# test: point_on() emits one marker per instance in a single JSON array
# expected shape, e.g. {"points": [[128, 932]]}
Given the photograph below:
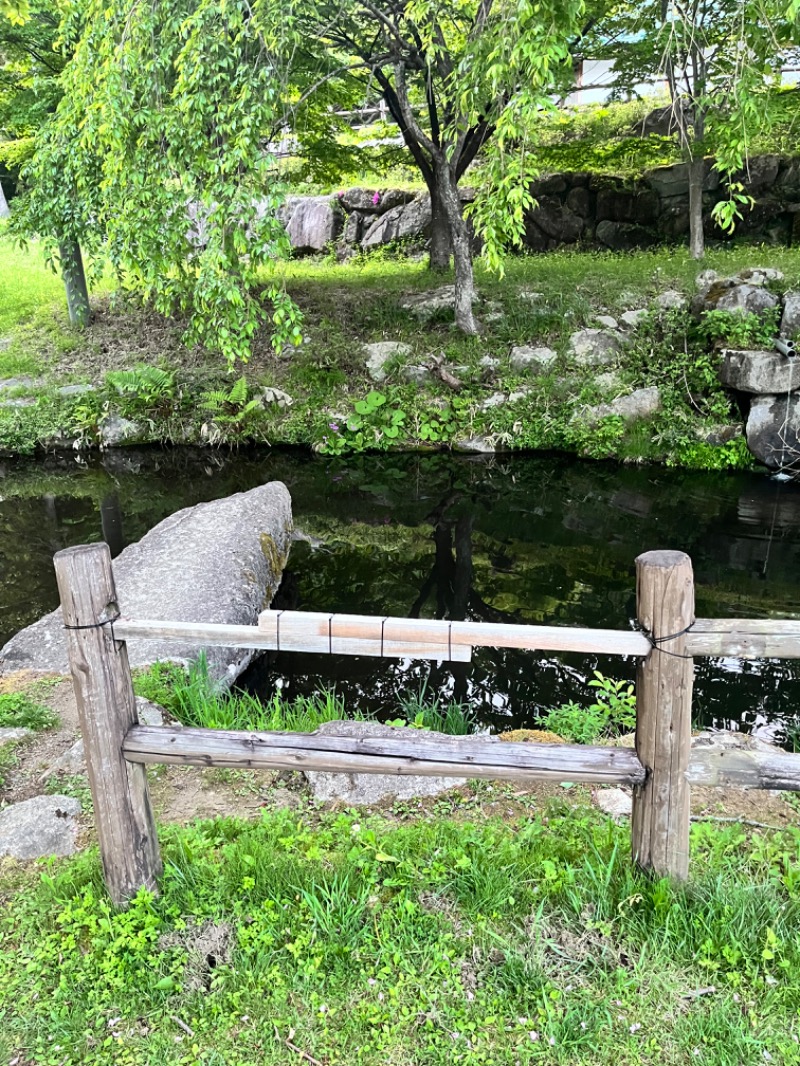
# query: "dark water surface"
{"points": [[542, 540]]}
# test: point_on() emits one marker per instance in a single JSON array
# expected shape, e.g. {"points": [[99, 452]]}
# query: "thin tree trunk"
{"points": [[75, 283], [462, 252], [697, 246], [4, 209], [441, 245]]}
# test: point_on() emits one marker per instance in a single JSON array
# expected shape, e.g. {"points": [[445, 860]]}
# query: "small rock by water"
{"points": [[641, 403], [773, 429], [382, 352], [115, 429], [478, 445]]}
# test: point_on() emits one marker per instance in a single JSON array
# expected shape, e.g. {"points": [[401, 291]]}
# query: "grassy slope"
{"points": [[361, 939], [346, 306]]}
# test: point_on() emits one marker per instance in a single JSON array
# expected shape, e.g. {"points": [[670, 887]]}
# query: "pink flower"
{"points": [[376, 199]]}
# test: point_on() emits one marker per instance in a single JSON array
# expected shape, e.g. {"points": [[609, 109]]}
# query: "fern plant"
{"points": [[231, 410], [147, 388]]}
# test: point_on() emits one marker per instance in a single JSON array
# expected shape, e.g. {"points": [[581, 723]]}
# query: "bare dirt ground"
{"points": [[181, 794]]}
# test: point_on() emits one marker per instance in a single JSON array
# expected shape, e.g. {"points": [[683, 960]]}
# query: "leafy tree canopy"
{"points": [[30, 70], [157, 157], [719, 61]]}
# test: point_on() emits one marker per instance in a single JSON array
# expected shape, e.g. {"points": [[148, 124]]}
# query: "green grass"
{"points": [[442, 716], [18, 710], [26, 285], [346, 306], [360, 942], [193, 698]]}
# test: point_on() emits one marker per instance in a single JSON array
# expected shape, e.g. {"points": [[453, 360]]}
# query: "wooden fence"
{"points": [[661, 769]]}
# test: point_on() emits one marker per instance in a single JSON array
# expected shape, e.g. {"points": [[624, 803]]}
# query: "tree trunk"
{"points": [[75, 283], [462, 252], [696, 237], [441, 245], [4, 210]]}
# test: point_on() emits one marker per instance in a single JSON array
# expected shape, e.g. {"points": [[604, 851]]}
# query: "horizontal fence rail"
{"points": [[418, 755], [346, 634], [665, 763]]}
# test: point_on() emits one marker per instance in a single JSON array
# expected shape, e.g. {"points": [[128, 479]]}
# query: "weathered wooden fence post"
{"points": [[665, 608], [107, 709]]}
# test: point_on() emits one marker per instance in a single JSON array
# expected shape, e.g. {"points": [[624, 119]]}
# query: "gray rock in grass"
{"points": [[39, 827], [594, 347], [382, 352], [531, 360], [14, 735], [364, 790]]}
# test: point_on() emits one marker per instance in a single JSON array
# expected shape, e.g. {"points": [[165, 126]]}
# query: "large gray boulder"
{"points": [[312, 222], [555, 220], [773, 430], [594, 347], [744, 298], [406, 220], [365, 790], [217, 562], [373, 201], [762, 372], [35, 828]]}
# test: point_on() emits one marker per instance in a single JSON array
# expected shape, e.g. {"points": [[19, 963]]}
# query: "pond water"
{"points": [[541, 539]]}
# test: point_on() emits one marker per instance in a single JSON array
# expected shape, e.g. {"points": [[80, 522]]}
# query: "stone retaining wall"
{"points": [[590, 209]]}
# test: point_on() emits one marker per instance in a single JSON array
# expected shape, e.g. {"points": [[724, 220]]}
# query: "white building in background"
{"points": [[594, 82]]}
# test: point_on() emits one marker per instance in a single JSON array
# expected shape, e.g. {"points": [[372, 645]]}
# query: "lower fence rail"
{"points": [[416, 755], [665, 763]]}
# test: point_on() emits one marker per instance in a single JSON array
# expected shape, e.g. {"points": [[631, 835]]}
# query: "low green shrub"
{"points": [[612, 713], [19, 711], [741, 329]]}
